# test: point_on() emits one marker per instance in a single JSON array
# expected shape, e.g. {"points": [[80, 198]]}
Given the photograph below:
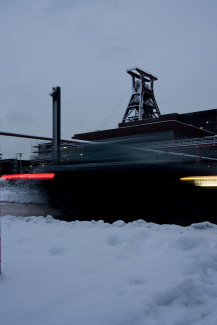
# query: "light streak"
{"points": [[203, 181], [37, 176]]}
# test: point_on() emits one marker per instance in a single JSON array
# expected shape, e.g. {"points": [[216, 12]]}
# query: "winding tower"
{"points": [[142, 104]]}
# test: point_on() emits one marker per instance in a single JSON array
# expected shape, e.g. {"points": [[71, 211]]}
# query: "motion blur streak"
{"points": [[204, 181], [41, 176]]}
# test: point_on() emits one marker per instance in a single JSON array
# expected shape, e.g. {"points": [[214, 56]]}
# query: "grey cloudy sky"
{"points": [[85, 48]]}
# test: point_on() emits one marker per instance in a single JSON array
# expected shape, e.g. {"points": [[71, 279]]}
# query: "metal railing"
{"points": [[211, 140]]}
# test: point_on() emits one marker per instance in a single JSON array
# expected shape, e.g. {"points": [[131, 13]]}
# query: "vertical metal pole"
{"points": [[56, 94], [20, 163], [0, 242], [19, 154], [141, 98]]}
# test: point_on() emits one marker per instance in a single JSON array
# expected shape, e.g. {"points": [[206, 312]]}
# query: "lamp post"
{"points": [[20, 154]]}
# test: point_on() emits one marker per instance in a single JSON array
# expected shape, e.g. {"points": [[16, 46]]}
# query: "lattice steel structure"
{"points": [[142, 103]]}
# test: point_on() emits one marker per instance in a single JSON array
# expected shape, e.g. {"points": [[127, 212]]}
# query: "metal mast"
{"points": [[142, 103], [56, 94]]}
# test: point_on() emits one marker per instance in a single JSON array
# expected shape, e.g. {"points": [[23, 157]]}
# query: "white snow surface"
{"points": [[94, 273]]}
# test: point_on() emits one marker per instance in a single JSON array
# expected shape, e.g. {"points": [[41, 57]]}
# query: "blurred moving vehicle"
{"points": [[133, 180]]}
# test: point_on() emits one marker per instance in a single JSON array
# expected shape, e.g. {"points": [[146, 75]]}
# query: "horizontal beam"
{"points": [[37, 137], [140, 71]]}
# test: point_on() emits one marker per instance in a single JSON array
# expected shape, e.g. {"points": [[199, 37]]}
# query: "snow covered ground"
{"points": [[94, 273]]}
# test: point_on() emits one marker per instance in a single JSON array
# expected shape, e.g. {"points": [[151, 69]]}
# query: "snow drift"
{"points": [[54, 272]]}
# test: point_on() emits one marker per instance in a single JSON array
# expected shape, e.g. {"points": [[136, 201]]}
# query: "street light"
{"points": [[20, 154]]}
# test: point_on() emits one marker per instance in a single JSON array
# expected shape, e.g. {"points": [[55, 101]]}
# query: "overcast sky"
{"points": [[85, 48]]}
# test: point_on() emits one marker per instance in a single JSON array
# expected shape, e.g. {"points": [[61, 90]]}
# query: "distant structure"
{"points": [[142, 104], [11, 166], [143, 117], [193, 134]]}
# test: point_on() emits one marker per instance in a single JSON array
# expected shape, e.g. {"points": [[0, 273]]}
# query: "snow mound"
{"points": [[203, 225], [95, 273]]}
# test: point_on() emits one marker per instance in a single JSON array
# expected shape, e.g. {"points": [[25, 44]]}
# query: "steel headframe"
{"points": [[142, 103]]}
